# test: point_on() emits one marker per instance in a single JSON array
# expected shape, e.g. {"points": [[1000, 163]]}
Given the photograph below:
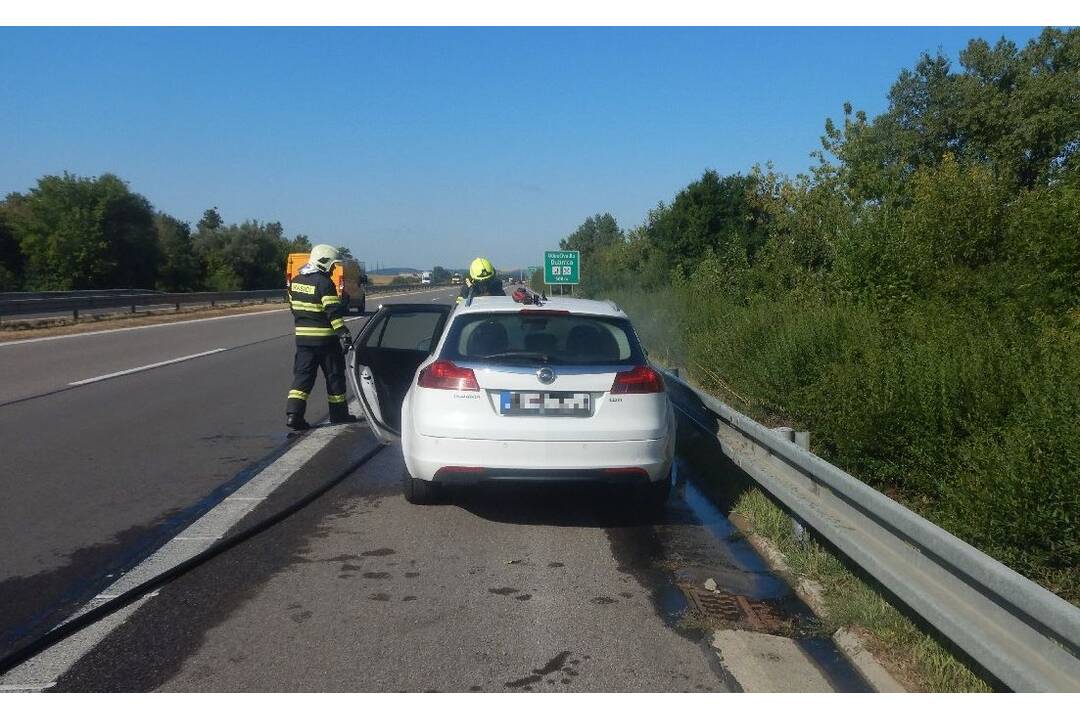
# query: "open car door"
{"points": [[385, 357]]}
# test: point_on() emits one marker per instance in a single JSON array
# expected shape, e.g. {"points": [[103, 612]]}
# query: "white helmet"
{"points": [[323, 257]]}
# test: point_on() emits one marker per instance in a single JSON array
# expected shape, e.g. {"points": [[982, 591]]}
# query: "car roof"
{"points": [[576, 306]]}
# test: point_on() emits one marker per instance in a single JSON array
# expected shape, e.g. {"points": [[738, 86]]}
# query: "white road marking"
{"points": [[42, 672], [51, 338], [151, 366], [138, 327]]}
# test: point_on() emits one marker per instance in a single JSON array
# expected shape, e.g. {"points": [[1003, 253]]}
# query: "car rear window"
{"points": [[553, 339]]}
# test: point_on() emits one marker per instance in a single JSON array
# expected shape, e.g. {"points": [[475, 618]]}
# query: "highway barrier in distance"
{"points": [[44, 303], [1019, 633]]}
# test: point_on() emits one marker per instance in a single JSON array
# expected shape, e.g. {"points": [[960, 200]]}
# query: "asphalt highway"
{"points": [[97, 475], [508, 588]]}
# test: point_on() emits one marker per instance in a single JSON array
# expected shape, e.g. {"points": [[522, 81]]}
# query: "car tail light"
{"points": [[445, 375], [640, 380], [451, 470]]}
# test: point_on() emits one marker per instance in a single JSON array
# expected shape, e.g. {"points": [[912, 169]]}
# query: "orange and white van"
{"points": [[348, 276]]}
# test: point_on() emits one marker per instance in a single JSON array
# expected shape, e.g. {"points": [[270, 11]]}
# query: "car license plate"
{"points": [[559, 404]]}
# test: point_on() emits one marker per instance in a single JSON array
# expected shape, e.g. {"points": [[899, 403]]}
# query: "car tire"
{"points": [[421, 492]]}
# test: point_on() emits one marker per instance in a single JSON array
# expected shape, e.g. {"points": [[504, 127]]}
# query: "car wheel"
{"points": [[421, 492]]}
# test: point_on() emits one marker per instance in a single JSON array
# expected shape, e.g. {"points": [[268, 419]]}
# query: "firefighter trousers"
{"points": [[309, 358]]}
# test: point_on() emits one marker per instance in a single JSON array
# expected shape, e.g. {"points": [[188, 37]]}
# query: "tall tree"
{"points": [[1015, 110], [711, 214], [181, 270], [597, 232], [11, 258], [86, 233]]}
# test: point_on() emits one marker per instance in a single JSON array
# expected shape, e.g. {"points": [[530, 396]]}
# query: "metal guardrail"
{"points": [[1020, 633], [80, 302], [45, 303], [39, 294]]}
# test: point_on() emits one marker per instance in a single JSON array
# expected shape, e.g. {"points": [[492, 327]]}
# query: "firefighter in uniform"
{"points": [[321, 338], [481, 280]]}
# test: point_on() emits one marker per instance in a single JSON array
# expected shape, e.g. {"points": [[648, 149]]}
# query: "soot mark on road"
{"points": [[555, 664], [378, 552], [503, 590], [138, 657], [377, 575]]}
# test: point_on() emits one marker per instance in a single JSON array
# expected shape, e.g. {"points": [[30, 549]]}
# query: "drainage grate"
{"points": [[727, 610]]}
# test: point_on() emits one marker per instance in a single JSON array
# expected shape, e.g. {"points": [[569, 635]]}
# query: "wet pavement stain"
{"points": [[503, 591], [377, 575], [378, 552], [556, 565], [379, 597], [300, 617], [525, 596], [408, 598], [555, 664], [412, 574], [603, 600]]}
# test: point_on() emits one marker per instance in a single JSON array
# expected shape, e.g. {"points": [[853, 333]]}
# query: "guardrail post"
{"points": [[75, 314], [177, 307], [802, 439], [132, 308]]}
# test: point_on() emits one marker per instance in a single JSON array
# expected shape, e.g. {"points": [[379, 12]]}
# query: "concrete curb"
{"points": [[847, 641]]}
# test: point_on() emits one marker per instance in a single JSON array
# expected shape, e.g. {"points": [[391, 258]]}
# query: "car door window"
{"points": [[406, 331]]}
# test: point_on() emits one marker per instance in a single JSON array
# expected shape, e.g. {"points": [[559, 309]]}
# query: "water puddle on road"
{"points": [[703, 576]]}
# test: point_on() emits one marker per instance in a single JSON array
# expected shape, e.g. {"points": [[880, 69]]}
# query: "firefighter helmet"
{"points": [[481, 269], [323, 257]]}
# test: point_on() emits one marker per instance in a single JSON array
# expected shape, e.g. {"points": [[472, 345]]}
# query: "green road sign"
{"points": [[562, 267]]}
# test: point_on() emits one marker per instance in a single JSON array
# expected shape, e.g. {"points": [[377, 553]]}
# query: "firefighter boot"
{"points": [[296, 421], [339, 413]]}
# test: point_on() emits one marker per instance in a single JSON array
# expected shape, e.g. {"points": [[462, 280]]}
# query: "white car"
{"points": [[495, 390]]}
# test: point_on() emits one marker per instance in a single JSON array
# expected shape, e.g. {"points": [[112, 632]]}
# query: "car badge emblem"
{"points": [[545, 375]]}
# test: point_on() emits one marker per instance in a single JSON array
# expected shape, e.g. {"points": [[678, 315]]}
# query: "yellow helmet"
{"points": [[481, 269]]}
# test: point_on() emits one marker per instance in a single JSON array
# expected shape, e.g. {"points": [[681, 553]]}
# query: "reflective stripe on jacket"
{"points": [[316, 308]]}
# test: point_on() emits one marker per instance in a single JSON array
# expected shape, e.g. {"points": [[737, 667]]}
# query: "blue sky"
{"points": [[430, 146]]}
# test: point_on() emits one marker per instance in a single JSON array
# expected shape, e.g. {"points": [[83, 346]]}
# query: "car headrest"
{"points": [[489, 338]]}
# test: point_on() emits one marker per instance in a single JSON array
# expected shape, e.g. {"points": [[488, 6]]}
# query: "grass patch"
{"points": [[913, 655]]}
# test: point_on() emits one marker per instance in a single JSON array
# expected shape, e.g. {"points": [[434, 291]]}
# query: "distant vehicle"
{"points": [[455, 279], [496, 391], [425, 278], [349, 277]]}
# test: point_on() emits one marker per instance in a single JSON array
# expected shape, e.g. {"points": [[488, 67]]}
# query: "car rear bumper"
{"points": [[456, 460]]}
